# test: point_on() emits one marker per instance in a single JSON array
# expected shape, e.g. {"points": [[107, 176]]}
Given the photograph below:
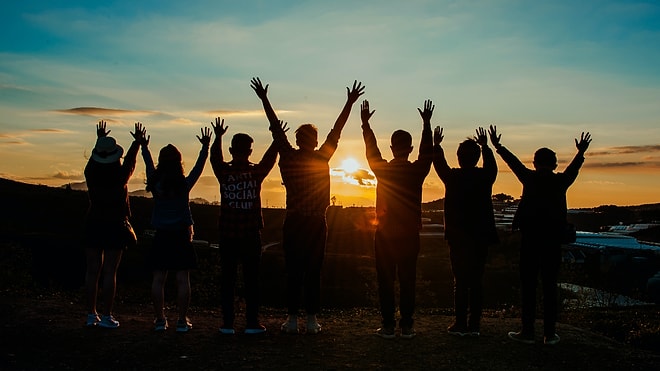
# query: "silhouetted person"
{"points": [[306, 176], [541, 218], [469, 224], [107, 229], [399, 217], [240, 223], [172, 248]]}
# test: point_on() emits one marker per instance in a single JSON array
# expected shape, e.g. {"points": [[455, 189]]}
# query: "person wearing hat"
{"points": [[107, 229]]}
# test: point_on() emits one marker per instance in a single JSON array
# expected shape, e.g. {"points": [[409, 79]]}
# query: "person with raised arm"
{"points": [[541, 218], [469, 223], [399, 217], [172, 248], [240, 222], [306, 176], [108, 231]]}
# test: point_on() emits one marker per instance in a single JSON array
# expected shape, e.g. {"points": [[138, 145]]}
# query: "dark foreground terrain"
{"points": [[45, 332]]}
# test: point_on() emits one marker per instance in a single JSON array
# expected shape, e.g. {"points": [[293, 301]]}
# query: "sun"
{"points": [[350, 165]]}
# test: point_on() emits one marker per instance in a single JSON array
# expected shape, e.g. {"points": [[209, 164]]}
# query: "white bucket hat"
{"points": [[107, 150]]}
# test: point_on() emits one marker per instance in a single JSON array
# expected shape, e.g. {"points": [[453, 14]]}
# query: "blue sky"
{"points": [[541, 71]]}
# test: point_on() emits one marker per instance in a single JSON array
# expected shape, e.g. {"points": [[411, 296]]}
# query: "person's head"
{"points": [[401, 144], [468, 153], [107, 151], [241, 146], [545, 159], [169, 159], [307, 137]]}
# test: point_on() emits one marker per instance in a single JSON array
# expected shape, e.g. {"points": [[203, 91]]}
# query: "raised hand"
{"points": [[100, 130], [494, 137], [365, 115], [258, 87], [140, 134], [354, 93], [481, 138], [428, 110], [583, 144], [205, 139], [219, 128], [437, 135]]}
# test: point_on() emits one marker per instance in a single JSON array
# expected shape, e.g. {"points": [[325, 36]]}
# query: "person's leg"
{"points": [[251, 260], [549, 274], [316, 235], [183, 293], [228, 267], [459, 269], [112, 258], [385, 274], [293, 264], [94, 258], [529, 271], [407, 262], [476, 273], [158, 293]]}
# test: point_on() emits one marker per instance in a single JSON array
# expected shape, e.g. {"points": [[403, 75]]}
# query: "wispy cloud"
{"points": [[232, 113], [625, 150], [50, 131], [68, 175], [360, 177], [623, 164], [100, 111]]}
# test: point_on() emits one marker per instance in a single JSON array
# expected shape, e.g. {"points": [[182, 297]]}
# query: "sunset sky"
{"points": [[542, 71]]}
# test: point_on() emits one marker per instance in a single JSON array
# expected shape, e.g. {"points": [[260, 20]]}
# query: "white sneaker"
{"points": [[92, 320], [108, 322]]}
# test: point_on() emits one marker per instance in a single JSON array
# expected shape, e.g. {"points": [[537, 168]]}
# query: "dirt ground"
{"points": [[45, 332]]}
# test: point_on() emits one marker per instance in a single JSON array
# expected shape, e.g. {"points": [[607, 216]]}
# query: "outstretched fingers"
{"points": [[219, 128], [494, 137], [355, 93], [438, 135]]}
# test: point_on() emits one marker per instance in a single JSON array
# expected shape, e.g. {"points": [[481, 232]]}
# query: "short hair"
{"points": [[401, 139], [241, 141], [468, 153], [545, 157], [307, 135]]}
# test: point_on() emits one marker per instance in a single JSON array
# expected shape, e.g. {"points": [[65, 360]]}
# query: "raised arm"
{"points": [[425, 156], [330, 144], [439, 159], [262, 93], [217, 160], [139, 137], [490, 165], [100, 129], [518, 168], [374, 156], [582, 146], [196, 171]]}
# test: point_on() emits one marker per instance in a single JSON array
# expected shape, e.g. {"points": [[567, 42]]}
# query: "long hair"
{"points": [[168, 178]]}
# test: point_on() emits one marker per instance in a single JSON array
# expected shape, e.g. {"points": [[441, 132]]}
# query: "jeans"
{"points": [[468, 259], [304, 240], [246, 251], [396, 254], [538, 255]]}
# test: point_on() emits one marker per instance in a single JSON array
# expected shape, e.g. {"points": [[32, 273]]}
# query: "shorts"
{"points": [[172, 250], [105, 235]]}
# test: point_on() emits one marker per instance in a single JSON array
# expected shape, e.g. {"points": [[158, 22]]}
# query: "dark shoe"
{"points": [[519, 337], [183, 325], [108, 322], [458, 330], [255, 329], [93, 319], [551, 340], [227, 330], [386, 332], [160, 324], [407, 332]]}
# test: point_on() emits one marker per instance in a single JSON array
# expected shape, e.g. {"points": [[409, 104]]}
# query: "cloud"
{"points": [[626, 164], [228, 113], [625, 150], [360, 177], [49, 130], [68, 175], [100, 111]]}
